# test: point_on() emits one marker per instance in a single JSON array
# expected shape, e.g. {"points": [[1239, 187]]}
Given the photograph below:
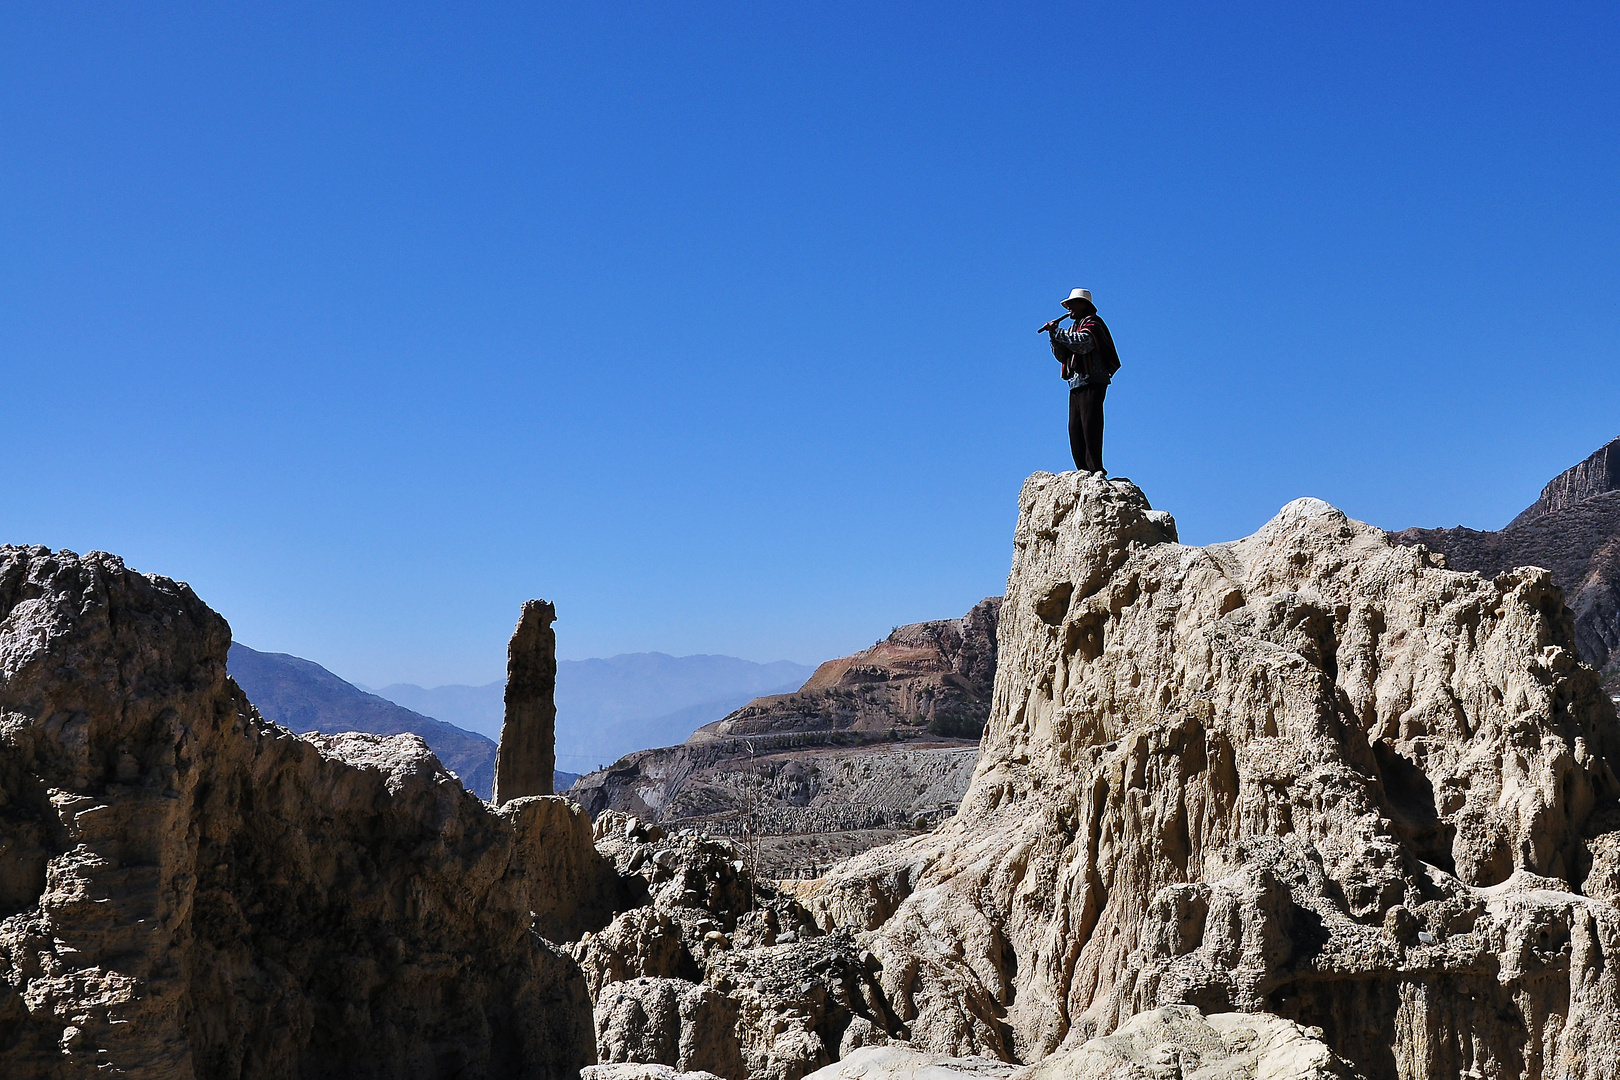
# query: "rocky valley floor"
{"points": [[873, 747]]}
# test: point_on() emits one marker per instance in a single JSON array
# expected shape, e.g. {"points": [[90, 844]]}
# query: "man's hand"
{"points": [[1049, 327]]}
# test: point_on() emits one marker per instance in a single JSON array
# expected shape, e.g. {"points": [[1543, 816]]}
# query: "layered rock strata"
{"points": [[1599, 474], [189, 891], [527, 755], [935, 675], [1312, 773]]}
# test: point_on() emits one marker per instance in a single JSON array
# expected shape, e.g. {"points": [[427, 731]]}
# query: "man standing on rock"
{"points": [[1086, 351]]}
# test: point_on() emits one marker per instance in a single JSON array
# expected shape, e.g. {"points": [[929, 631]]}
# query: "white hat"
{"points": [[1079, 294]]}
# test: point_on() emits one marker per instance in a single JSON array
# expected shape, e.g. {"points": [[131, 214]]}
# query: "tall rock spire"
{"points": [[528, 749]]}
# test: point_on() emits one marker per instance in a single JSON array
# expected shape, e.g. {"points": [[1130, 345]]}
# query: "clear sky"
{"points": [[714, 323]]}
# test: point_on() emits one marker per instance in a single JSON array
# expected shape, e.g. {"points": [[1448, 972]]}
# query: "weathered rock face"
{"points": [[1311, 772], [527, 755], [1573, 530], [300, 695], [718, 972], [189, 891]]}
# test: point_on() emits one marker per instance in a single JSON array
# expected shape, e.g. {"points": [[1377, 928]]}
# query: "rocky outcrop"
{"points": [[641, 1072], [1599, 474], [1175, 1041], [1312, 773], [1260, 809], [527, 755], [719, 972], [188, 891], [1573, 530]]}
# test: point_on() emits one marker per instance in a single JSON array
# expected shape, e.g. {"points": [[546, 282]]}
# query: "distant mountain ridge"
{"points": [[879, 741], [301, 695], [610, 707], [1573, 530]]}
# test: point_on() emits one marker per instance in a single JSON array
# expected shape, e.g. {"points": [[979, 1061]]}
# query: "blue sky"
{"points": [[714, 323]]}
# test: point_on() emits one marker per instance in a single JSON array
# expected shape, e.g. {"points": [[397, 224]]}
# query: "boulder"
{"points": [[640, 1072], [718, 971]]}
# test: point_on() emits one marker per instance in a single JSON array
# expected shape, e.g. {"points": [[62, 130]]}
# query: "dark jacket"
{"points": [[1086, 350]]}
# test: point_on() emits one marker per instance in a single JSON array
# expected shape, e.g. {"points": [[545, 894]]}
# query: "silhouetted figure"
{"points": [[1086, 351]]}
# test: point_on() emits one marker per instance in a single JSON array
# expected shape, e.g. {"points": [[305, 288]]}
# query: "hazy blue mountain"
{"points": [[301, 695], [476, 708], [607, 708]]}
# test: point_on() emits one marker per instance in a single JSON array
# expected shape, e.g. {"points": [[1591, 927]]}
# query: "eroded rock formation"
{"points": [[1573, 530], [189, 891], [718, 972], [300, 695], [1311, 772], [527, 755], [1299, 804]]}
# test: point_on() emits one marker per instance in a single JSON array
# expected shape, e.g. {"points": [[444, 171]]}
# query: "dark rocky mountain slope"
{"points": [[931, 675], [1573, 529]]}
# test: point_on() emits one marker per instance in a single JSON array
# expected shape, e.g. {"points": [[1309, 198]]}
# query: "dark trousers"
{"points": [[1086, 426]]}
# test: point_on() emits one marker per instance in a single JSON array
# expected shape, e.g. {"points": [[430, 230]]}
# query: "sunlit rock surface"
{"points": [[1310, 772]]}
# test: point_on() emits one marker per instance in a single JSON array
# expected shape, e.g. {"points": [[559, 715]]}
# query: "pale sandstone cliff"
{"points": [[1175, 1042], [1310, 772], [189, 891]]}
